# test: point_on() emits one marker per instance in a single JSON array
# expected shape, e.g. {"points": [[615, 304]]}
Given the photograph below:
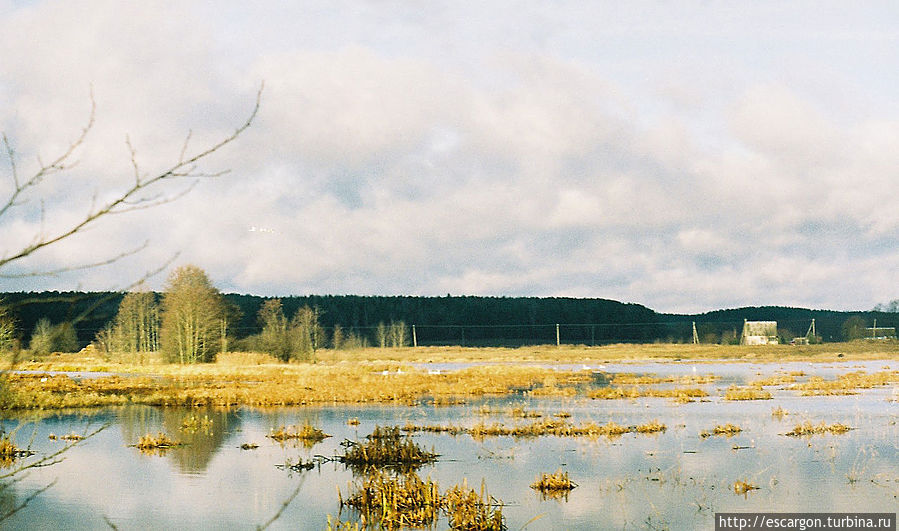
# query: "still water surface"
{"points": [[674, 479]]}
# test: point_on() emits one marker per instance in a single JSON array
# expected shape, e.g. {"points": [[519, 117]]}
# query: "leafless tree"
{"points": [[192, 310]]}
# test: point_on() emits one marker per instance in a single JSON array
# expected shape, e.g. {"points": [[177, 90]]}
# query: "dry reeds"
{"points": [[617, 393], [309, 435], [156, 444], [742, 487], [808, 429], [556, 485], [386, 447], [728, 430], [548, 427], [338, 525], [846, 384], [746, 393], [396, 502], [9, 452], [407, 501], [470, 510], [690, 379]]}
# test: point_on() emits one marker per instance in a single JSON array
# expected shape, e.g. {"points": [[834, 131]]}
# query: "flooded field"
{"points": [[707, 454]]}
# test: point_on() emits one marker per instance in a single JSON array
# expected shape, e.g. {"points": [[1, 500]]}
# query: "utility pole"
{"points": [[695, 335], [557, 334], [414, 337]]}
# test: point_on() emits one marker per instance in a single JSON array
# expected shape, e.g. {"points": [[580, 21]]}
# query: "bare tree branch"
{"points": [[57, 272], [128, 200]]}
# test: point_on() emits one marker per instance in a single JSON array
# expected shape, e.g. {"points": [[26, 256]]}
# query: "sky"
{"points": [[687, 156]]}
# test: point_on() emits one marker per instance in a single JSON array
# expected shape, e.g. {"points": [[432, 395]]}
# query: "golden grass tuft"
{"points": [[547, 427], [691, 379], [338, 525], [309, 435], [743, 487], [846, 384], [9, 452], [616, 393], [156, 444], [728, 430], [808, 429], [407, 501], [556, 485], [471, 510], [386, 447], [395, 502], [746, 393]]}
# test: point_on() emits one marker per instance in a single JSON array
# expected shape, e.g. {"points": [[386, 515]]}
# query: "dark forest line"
{"points": [[466, 320]]}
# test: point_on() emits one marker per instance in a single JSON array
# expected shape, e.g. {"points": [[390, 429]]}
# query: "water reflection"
{"points": [[201, 432]]}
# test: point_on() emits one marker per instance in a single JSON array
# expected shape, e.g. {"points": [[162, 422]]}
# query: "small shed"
{"points": [[759, 333]]}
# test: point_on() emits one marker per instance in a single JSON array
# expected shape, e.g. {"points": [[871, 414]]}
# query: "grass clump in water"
{"points": [[395, 502], [742, 487], [407, 501], [547, 427], [846, 384], [808, 429], [338, 525], [9, 452], [156, 444], [308, 434], [386, 447], [728, 430], [472, 511], [680, 394], [746, 393], [552, 486]]}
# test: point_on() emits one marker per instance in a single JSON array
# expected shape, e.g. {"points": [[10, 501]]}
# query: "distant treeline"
{"points": [[464, 320]]}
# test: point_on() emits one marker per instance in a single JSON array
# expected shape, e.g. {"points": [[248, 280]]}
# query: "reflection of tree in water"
{"points": [[205, 430]]}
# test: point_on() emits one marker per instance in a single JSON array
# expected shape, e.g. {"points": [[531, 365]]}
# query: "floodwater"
{"points": [[675, 479]]}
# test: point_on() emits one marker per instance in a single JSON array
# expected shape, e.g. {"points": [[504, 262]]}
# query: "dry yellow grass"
{"points": [[742, 487], [552, 486], [616, 393], [547, 427], [808, 429], [846, 384], [306, 433], [155, 444], [746, 393], [254, 379], [728, 430]]}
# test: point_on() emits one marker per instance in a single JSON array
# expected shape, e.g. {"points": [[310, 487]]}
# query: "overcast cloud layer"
{"points": [[685, 156]]}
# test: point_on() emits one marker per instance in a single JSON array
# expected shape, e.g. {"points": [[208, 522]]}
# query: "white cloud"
{"points": [[547, 154]]}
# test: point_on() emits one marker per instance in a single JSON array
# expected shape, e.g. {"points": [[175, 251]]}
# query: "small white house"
{"points": [[759, 333]]}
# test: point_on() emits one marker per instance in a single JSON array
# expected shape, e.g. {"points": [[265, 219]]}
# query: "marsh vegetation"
{"points": [[388, 421]]}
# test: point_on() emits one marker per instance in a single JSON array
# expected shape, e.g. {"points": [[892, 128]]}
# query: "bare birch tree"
{"points": [[192, 310]]}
